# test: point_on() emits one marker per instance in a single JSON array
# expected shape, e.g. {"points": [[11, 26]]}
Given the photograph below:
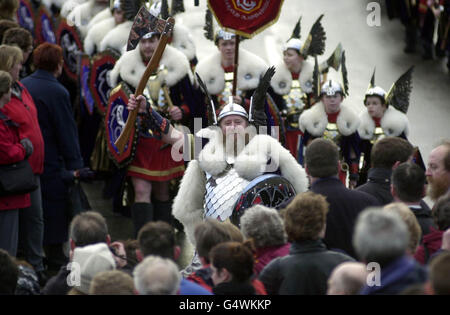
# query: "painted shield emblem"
{"points": [[270, 190], [115, 119], [44, 26], [69, 39], [25, 15], [102, 64], [86, 96]]}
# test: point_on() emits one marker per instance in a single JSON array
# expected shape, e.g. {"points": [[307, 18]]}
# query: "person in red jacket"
{"points": [[12, 150], [22, 110]]}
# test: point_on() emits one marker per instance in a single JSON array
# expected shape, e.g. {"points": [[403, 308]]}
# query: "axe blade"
{"points": [[144, 23]]}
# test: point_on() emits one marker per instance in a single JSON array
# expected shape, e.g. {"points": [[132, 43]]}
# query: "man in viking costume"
{"points": [[105, 21], [292, 84], [384, 115], [332, 119], [171, 94]]}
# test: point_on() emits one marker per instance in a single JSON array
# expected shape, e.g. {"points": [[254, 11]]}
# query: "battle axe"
{"points": [[144, 23]]}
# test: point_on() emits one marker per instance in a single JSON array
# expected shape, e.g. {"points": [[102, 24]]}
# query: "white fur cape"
{"points": [[315, 120], [250, 163], [96, 34], [82, 14], [393, 123], [183, 41], [282, 79], [130, 67], [251, 68], [117, 37]]}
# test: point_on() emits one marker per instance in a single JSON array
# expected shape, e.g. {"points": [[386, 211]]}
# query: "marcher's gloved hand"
{"points": [[85, 174], [28, 146]]}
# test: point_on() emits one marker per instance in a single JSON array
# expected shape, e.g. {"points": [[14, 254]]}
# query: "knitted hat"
{"points": [[92, 259]]}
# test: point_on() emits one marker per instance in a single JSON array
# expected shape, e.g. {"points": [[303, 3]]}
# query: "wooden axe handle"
{"points": [[151, 67]]}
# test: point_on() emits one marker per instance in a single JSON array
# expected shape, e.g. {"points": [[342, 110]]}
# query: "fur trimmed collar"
{"points": [[282, 79], [315, 120], [393, 123], [183, 41], [131, 67], [252, 161], [117, 38], [251, 69]]}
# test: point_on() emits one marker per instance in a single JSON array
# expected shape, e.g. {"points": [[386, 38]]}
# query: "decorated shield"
{"points": [[115, 118], [68, 37], [86, 96], [44, 26], [25, 15], [102, 64], [245, 17], [270, 190]]}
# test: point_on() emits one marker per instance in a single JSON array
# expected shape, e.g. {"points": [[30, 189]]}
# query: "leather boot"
{"points": [[163, 211], [141, 213]]}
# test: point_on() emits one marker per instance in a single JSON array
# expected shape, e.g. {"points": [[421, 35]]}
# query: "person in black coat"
{"points": [[408, 186], [309, 264], [386, 154], [63, 162], [322, 165]]}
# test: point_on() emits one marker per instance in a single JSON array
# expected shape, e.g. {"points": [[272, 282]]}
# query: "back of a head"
{"points": [[380, 236], [112, 282], [88, 228], [321, 158], [440, 274], [264, 226], [387, 151], [347, 278], [18, 36], [305, 217], [47, 57], [157, 238], [211, 232], [157, 276], [441, 212], [236, 257], [8, 9], [415, 232], [6, 25], [408, 180], [89, 261], [9, 273], [9, 56]]}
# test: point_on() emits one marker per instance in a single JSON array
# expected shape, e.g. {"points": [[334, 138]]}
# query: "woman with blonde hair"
{"points": [[22, 110], [12, 150]]}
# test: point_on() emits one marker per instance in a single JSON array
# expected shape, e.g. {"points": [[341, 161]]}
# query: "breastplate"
{"points": [[377, 135], [224, 96], [332, 133], [222, 193], [294, 104]]}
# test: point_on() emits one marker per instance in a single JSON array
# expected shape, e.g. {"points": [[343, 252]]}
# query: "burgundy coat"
{"points": [[11, 151]]}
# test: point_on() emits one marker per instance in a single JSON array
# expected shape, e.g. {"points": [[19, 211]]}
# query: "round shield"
{"points": [[269, 190], [115, 119], [44, 26], [102, 64], [69, 39], [86, 96], [25, 15]]}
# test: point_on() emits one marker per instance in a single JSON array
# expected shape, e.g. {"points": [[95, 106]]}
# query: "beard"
{"points": [[437, 186]]}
